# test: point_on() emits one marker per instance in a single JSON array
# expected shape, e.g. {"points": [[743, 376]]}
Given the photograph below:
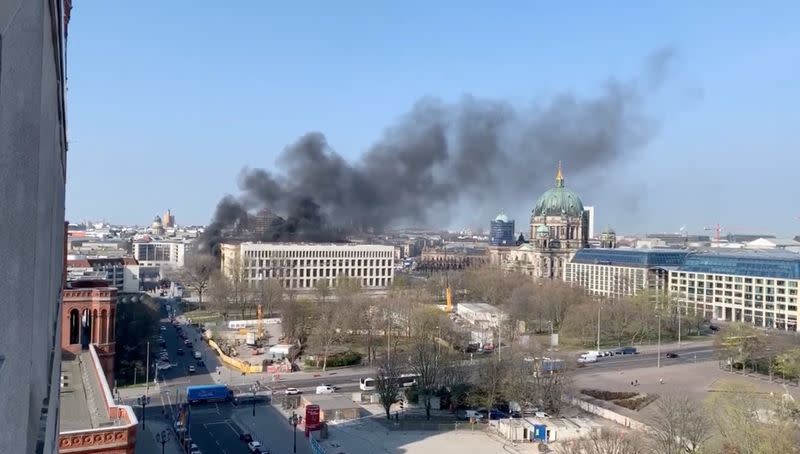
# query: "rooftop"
{"points": [[81, 403], [643, 258], [328, 402], [752, 262], [480, 307]]}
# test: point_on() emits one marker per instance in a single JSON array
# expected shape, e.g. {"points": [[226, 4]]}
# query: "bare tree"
{"points": [[738, 411], [322, 290], [297, 320], [219, 292], [387, 384], [196, 274], [679, 425], [432, 365], [605, 442], [328, 329], [269, 293]]}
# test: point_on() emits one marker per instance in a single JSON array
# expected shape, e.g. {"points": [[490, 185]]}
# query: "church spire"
{"points": [[559, 177]]}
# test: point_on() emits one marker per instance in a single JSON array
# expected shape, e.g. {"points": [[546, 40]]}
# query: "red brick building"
{"points": [[90, 420]]}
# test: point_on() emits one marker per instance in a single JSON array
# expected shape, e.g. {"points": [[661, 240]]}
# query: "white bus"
{"points": [[366, 384]]}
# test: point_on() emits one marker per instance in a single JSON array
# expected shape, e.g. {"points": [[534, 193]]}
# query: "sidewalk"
{"points": [[146, 439]]}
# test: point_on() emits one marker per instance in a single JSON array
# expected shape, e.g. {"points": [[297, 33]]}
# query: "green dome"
{"points": [[609, 231], [559, 201]]}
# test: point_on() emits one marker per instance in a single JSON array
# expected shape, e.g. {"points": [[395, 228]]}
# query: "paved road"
{"points": [[685, 355]]}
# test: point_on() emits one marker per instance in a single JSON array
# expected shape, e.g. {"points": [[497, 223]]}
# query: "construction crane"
{"points": [[717, 229]]}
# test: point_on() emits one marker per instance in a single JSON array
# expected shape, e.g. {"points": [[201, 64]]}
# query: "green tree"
{"points": [[738, 343], [136, 323]]}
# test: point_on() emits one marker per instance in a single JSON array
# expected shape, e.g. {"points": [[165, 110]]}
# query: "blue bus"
{"points": [[208, 393]]}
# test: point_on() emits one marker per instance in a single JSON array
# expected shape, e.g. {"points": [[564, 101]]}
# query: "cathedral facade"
{"points": [[559, 228]]}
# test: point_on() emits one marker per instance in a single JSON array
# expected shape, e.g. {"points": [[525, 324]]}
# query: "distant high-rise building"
{"points": [[33, 155], [501, 231], [265, 219], [169, 220], [590, 213]]}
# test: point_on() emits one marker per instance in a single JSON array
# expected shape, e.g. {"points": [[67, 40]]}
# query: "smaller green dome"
{"points": [[609, 231], [542, 230]]}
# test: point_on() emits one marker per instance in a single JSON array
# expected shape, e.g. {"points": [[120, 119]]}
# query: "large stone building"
{"points": [[302, 265], [616, 273], [756, 287], [559, 228], [33, 160]]}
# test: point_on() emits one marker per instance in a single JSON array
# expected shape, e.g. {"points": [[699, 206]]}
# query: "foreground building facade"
{"points": [[755, 287], [615, 273], [33, 149], [302, 265]]}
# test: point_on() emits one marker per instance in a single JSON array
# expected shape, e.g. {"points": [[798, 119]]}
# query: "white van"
{"points": [[590, 357], [468, 414], [325, 389]]}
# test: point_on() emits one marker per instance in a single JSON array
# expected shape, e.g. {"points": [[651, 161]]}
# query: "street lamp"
{"points": [[253, 389], [163, 437], [293, 422], [658, 349], [143, 401]]}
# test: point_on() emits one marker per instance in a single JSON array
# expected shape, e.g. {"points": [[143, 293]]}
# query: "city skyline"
{"points": [[721, 124]]}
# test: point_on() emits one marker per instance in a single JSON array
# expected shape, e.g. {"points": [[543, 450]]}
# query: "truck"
{"points": [[208, 393], [552, 365]]}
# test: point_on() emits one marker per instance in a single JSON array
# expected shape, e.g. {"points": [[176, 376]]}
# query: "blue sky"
{"points": [[168, 101]]}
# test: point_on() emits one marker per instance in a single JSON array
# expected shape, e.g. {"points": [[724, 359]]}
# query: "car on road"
{"points": [[197, 355], [325, 389], [201, 363], [625, 351], [163, 328], [671, 355], [179, 352], [194, 449], [254, 446], [192, 369], [247, 438], [292, 391]]}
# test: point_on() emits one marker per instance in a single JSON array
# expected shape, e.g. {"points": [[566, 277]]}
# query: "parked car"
{"points": [[254, 446], [197, 355], [292, 391], [179, 352], [671, 355], [192, 369], [247, 438], [713, 328], [469, 414], [201, 363]]}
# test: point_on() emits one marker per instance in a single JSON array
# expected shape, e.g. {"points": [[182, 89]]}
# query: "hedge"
{"points": [[348, 358]]}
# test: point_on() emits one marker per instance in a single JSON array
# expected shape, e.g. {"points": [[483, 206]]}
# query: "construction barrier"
{"points": [[241, 366]]}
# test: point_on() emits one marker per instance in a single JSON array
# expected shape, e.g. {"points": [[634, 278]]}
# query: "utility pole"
{"points": [[658, 348], [147, 371], [679, 324], [598, 327]]}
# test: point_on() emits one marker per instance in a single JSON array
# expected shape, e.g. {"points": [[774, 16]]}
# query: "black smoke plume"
{"points": [[441, 156]]}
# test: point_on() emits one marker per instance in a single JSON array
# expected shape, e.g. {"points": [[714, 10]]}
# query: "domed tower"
{"points": [[560, 226], [157, 228], [608, 239]]}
